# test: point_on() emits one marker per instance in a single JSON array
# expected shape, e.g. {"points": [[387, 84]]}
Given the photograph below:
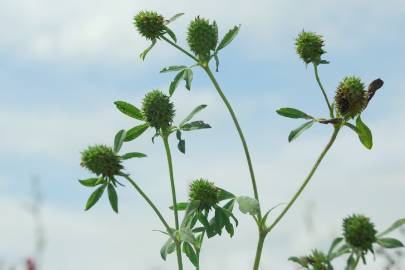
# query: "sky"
{"points": [[64, 63]]}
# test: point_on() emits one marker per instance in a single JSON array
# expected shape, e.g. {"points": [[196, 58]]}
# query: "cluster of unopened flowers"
{"points": [[209, 209]]}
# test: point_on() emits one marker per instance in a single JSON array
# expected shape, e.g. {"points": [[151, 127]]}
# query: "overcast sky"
{"points": [[63, 63]]}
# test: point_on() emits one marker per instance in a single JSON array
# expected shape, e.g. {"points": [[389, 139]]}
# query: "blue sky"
{"points": [[63, 63]]}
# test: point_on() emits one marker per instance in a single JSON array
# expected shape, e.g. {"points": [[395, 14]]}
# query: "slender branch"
{"points": [[242, 137], [180, 48], [323, 90], [140, 191], [307, 179], [173, 188]]}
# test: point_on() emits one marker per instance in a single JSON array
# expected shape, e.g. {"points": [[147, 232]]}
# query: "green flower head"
{"points": [[149, 24], [202, 37], [359, 232], [158, 110], [101, 160], [318, 260], [351, 98], [204, 191], [309, 47]]}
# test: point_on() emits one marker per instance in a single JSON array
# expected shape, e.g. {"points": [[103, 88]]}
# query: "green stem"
{"points": [[173, 188], [242, 137], [259, 250], [179, 48], [356, 263], [307, 179], [140, 191], [323, 90]]}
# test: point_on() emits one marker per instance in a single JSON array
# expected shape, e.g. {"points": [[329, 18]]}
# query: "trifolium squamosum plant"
{"points": [[209, 210]]}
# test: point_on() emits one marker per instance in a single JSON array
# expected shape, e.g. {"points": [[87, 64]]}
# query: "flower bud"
{"points": [[158, 110], [309, 47], [202, 37], [101, 160], [318, 260], [204, 191], [351, 98], [359, 232], [149, 24]]}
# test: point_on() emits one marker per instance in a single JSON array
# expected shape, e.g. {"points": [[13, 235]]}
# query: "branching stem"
{"points": [[323, 91]]}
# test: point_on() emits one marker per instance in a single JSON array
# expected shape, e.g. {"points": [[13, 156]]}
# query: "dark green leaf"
{"points": [[112, 196], [180, 206], [219, 219], [172, 19], [168, 248], [194, 112], [171, 34], [324, 62], [228, 38], [133, 155], [94, 197], [190, 253], [293, 113], [147, 50], [194, 126], [135, 132], [216, 58], [175, 82], [393, 227], [297, 132], [224, 195], [118, 140], [351, 263], [203, 219], [229, 228], [182, 146], [248, 205], [188, 77], [90, 182], [364, 133], [172, 68], [129, 109], [389, 243]]}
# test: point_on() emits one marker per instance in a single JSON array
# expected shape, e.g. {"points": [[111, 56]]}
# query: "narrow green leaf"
{"points": [[173, 68], [390, 243], [135, 132], [112, 196], [297, 132], [168, 248], [248, 205], [334, 244], [94, 197], [133, 155], [364, 133], [216, 58], [129, 109], [301, 261], [119, 139], [180, 206], [228, 38], [393, 227], [293, 113], [171, 34], [175, 82], [188, 77], [182, 146], [90, 182], [219, 219], [194, 126], [175, 17], [224, 195], [193, 112], [190, 253], [147, 50]]}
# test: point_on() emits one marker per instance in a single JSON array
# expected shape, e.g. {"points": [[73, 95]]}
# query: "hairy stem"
{"points": [[173, 188], [323, 90], [140, 191], [307, 179]]}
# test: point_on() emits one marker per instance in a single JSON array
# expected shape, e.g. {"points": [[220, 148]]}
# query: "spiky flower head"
{"points": [[149, 24], [351, 98], [101, 160], [309, 47], [158, 110], [359, 232], [202, 37], [318, 260], [204, 191]]}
